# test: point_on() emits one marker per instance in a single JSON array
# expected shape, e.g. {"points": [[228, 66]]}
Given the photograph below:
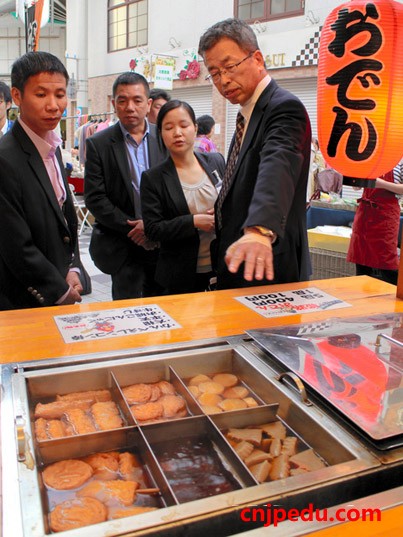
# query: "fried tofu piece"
{"points": [[105, 465], [257, 456], [66, 475], [280, 468], [106, 415], [243, 449], [254, 436], [76, 513], [307, 460], [55, 410], [274, 429], [111, 492], [79, 421], [91, 395], [260, 471], [289, 446]]}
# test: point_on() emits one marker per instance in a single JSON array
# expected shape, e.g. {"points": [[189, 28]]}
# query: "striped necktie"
{"points": [[229, 170]]}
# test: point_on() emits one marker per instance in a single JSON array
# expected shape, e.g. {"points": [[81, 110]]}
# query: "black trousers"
{"points": [[389, 276], [135, 278]]}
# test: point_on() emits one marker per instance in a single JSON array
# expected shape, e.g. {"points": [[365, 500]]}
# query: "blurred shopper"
{"points": [[374, 239], [203, 142], [260, 212], [5, 105], [158, 98], [116, 158], [39, 258], [178, 199]]}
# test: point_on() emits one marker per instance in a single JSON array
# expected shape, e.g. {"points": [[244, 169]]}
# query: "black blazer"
{"points": [[167, 219], [108, 194], [269, 187], [38, 241]]}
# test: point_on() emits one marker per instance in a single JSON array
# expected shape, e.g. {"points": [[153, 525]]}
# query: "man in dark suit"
{"points": [[260, 212], [5, 105], [39, 256], [116, 158]]}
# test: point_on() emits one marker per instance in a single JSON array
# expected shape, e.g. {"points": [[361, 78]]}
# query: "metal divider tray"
{"points": [[27, 502]]}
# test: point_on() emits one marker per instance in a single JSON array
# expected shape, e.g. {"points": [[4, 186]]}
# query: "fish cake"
{"points": [[105, 465], [90, 395], [106, 415], [196, 380], [40, 429], [66, 475], [172, 405], [211, 409], [111, 492], [166, 387], [130, 511], [211, 387], [236, 392], [147, 411], [228, 380], [55, 410], [76, 513], [137, 393], [232, 404], [130, 468], [209, 399], [56, 429], [79, 421]]}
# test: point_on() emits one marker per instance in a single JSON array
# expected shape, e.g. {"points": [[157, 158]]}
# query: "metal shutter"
{"points": [[199, 98], [304, 88]]}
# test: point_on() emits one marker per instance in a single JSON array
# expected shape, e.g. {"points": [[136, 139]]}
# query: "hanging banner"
{"points": [[164, 73], [33, 17]]}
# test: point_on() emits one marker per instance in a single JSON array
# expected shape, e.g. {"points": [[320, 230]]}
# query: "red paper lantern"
{"points": [[360, 88]]}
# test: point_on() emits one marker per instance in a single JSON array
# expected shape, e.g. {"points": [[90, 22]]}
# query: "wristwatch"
{"points": [[264, 231]]}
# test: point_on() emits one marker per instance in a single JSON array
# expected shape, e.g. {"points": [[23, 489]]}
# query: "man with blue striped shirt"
{"points": [[116, 158]]}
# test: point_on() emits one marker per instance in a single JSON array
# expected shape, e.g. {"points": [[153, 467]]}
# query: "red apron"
{"points": [[375, 229]]}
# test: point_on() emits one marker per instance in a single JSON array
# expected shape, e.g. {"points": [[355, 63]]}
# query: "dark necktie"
{"points": [[229, 170]]}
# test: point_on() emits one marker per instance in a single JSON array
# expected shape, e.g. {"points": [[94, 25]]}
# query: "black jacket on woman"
{"points": [[167, 219]]}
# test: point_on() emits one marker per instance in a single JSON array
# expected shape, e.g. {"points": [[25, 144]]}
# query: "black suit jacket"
{"points": [[38, 241], [108, 194], [167, 219], [269, 187]]}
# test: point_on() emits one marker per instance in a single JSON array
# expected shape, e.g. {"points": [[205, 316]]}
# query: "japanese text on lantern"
{"points": [[363, 71]]}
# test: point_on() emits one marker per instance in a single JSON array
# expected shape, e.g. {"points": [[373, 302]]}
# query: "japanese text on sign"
{"points": [[114, 323]]}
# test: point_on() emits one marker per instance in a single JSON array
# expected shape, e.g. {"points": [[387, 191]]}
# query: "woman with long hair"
{"points": [[178, 199]]}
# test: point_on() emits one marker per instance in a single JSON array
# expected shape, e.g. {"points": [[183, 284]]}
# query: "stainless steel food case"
{"points": [[190, 462]]}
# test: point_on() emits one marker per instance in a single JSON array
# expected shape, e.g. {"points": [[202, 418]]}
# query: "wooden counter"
{"points": [[27, 335], [33, 335]]}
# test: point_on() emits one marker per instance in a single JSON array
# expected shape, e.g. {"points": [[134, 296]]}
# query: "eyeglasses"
{"points": [[216, 75]]}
